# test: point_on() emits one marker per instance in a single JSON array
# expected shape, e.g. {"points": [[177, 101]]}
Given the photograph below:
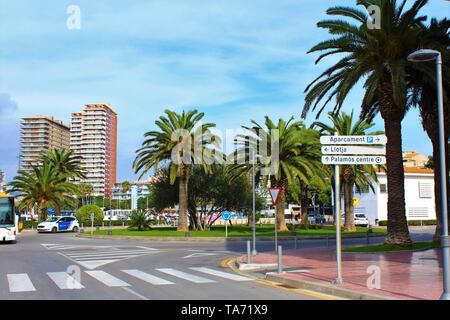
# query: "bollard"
{"points": [[280, 262], [249, 252]]}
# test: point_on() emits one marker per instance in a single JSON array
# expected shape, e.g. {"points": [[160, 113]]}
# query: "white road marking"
{"points": [[107, 279], [185, 275], [20, 282], [147, 248], [222, 274], [135, 293], [147, 277], [105, 254], [117, 257], [196, 255], [64, 281], [92, 264]]}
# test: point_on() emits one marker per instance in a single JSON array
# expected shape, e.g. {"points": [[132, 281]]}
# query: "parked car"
{"points": [[56, 224], [360, 219]]}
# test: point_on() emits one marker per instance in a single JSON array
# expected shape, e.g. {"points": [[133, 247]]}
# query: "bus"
{"points": [[8, 219]]}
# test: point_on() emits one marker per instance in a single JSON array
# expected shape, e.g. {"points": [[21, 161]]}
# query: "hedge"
{"points": [[83, 215], [383, 223]]}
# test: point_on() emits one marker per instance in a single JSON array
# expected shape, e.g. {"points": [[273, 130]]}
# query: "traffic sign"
{"points": [[275, 193], [226, 216], [353, 140], [354, 150], [356, 202], [353, 160]]}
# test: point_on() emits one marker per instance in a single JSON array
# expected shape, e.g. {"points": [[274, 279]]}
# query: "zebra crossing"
{"points": [[21, 282], [92, 257]]}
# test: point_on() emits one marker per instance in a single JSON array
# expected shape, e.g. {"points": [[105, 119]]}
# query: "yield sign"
{"points": [[275, 193]]}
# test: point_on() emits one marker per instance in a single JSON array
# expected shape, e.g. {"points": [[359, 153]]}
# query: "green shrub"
{"points": [[383, 223], [28, 224], [139, 221], [83, 215]]}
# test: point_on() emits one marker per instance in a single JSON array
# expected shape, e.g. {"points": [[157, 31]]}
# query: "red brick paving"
{"points": [[404, 275]]}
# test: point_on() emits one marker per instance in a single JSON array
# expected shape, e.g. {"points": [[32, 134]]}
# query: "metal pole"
{"points": [[249, 254], [444, 176], [254, 252], [276, 231], [226, 229], [110, 215], [337, 216], [280, 259]]}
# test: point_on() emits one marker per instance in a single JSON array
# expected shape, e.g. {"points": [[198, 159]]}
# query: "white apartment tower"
{"points": [[93, 136]]}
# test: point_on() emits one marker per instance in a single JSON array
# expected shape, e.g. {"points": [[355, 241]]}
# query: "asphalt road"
{"points": [[62, 266]]}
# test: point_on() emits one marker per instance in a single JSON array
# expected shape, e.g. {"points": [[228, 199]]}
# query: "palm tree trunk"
{"points": [[392, 114], [281, 222], [397, 225], [183, 201], [349, 224], [304, 205]]}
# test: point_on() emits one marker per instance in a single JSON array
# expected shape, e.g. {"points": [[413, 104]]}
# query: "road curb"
{"points": [[326, 289], [219, 239]]}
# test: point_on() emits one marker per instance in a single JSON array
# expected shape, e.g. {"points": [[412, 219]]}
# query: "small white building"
{"points": [[419, 197]]}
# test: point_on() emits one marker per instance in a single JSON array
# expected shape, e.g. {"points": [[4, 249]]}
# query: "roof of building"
{"points": [[411, 170]]}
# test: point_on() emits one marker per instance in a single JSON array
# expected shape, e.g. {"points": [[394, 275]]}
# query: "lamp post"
{"points": [[254, 252], [110, 215], [426, 55]]}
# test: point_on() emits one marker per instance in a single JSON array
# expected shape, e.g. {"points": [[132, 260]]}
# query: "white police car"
{"points": [[56, 224]]}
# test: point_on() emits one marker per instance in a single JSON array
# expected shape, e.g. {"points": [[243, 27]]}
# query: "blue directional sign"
{"points": [[226, 216]]}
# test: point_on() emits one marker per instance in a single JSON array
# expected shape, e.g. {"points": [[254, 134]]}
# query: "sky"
{"points": [[233, 60]]}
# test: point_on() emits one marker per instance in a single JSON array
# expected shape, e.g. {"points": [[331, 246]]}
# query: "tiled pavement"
{"points": [[404, 275]]}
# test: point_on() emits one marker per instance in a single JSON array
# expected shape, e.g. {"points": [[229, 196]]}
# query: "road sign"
{"points": [[356, 202], [226, 216], [353, 160], [354, 150], [337, 140], [275, 193]]}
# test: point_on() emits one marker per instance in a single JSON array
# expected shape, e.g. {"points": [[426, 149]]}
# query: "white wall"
{"points": [[418, 207]]}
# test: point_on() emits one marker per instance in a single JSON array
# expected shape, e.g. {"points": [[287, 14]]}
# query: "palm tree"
{"points": [[86, 190], [377, 56], [126, 186], [65, 162], [343, 125], [422, 85], [298, 156], [182, 141], [42, 187]]}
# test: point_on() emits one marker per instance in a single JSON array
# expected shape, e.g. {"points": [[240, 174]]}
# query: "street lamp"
{"points": [[254, 252], [426, 55]]}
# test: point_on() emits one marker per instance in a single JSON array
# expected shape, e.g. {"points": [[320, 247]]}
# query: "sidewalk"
{"points": [[404, 275]]}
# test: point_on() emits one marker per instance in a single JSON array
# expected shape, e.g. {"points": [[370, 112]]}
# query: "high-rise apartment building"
{"points": [[2, 180], [93, 136], [39, 134]]}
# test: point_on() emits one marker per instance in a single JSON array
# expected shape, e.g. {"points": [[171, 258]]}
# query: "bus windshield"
{"points": [[6, 211]]}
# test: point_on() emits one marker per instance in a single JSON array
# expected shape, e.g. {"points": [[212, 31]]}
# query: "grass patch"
{"points": [[234, 231], [416, 246]]}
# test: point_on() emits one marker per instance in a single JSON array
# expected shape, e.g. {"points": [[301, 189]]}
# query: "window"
{"points": [[425, 190], [383, 188]]}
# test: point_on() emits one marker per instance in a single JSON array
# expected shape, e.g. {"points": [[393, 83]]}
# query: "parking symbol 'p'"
{"points": [[369, 139]]}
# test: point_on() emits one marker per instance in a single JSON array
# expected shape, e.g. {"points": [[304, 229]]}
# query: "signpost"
{"points": [[338, 150], [226, 216], [332, 159], [92, 223], [275, 194]]}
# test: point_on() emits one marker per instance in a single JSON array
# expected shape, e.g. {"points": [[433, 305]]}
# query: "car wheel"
{"points": [[75, 229], [54, 230]]}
